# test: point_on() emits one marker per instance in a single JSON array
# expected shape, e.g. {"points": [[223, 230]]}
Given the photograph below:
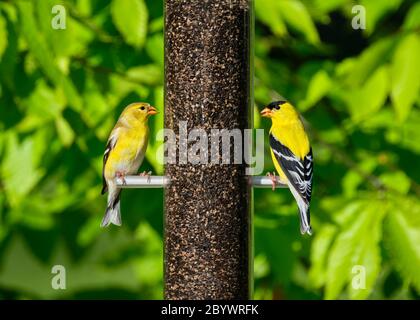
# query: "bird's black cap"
{"points": [[276, 104]]}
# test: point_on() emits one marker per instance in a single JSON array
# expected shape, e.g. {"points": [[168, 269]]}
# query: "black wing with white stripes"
{"points": [[109, 146], [106, 155], [299, 172]]}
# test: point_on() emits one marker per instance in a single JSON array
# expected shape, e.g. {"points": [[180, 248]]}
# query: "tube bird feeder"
{"points": [[207, 206]]}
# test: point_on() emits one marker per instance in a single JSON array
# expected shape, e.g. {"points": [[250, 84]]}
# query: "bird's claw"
{"points": [[273, 179], [147, 175], [121, 176]]}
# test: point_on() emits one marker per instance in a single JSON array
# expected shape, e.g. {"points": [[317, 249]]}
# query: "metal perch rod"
{"points": [[265, 182], [132, 182]]}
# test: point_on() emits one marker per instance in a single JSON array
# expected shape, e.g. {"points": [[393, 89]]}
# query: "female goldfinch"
{"points": [[292, 156], [124, 154]]}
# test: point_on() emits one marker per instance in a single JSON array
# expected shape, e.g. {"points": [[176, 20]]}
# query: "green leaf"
{"points": [[319, 254], [43, 102], [278, 16], [131, 19], [9, 56], [152, 152], [64, 42], [408, 134], [35, 42], [340, 260], [318, 87], [159, 104], [23, 272], [352, 179], [149, 271], [371, 97], [355, 246], [149, 74], [402, 235], [64, 130], [97, 108], [412, 20], [277, 247], [41, 107], [84, 7], [272, 18], [9, 10], [256, 116], [326, 6], [366, 64], [20, 168], [405, 78], [3, 35], [375, 10], [156, 25], [368, 253], [261, 266], [375, 90], [44, 56], [397, 181], [297, 16], [154, 48]]}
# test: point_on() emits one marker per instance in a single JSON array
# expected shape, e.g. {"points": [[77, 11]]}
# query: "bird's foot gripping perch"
{"points": [[273, 179], [147, 175], [121, 175]]}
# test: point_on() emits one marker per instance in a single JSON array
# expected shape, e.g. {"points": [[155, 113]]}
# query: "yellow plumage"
{"points": [[124, 154], [292, 155], [288, 128], [282, 176], [132, 142]]}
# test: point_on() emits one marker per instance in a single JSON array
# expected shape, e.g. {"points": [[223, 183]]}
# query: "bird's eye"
{"points": [[277, 107], [142, 108]]}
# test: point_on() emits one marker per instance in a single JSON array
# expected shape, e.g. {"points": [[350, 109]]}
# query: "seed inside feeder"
{"points": [[207, 209]]}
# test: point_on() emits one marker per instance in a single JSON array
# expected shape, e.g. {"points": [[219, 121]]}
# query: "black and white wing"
{"points": [[299, 173], [112, 141]]}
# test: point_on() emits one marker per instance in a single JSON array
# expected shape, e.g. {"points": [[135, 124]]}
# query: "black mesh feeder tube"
{"points": [[207, 205]]}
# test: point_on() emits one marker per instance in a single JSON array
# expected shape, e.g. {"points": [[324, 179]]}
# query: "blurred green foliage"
{"points": [[62, 90]]}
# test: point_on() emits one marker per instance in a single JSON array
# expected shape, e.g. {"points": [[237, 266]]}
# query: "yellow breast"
{"points": [[129, 144], [293, 136]]}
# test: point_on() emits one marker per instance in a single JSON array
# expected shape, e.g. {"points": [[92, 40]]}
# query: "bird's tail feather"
{"points": [[305, 225], [304, 212], [113, 213]]}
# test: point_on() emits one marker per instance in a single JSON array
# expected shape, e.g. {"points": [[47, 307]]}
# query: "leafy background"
{"points": [[62, 90]]}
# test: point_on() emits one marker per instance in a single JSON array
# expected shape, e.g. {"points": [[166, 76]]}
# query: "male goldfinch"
{"points": [[124, 154], [292, 156]]}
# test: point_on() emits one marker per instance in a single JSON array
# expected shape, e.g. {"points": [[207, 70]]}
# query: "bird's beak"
{"points": [[152, 111], [266, 113]]}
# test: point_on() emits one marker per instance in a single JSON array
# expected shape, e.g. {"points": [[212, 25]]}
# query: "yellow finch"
{"points": [[124, 154], [292, 156]]}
